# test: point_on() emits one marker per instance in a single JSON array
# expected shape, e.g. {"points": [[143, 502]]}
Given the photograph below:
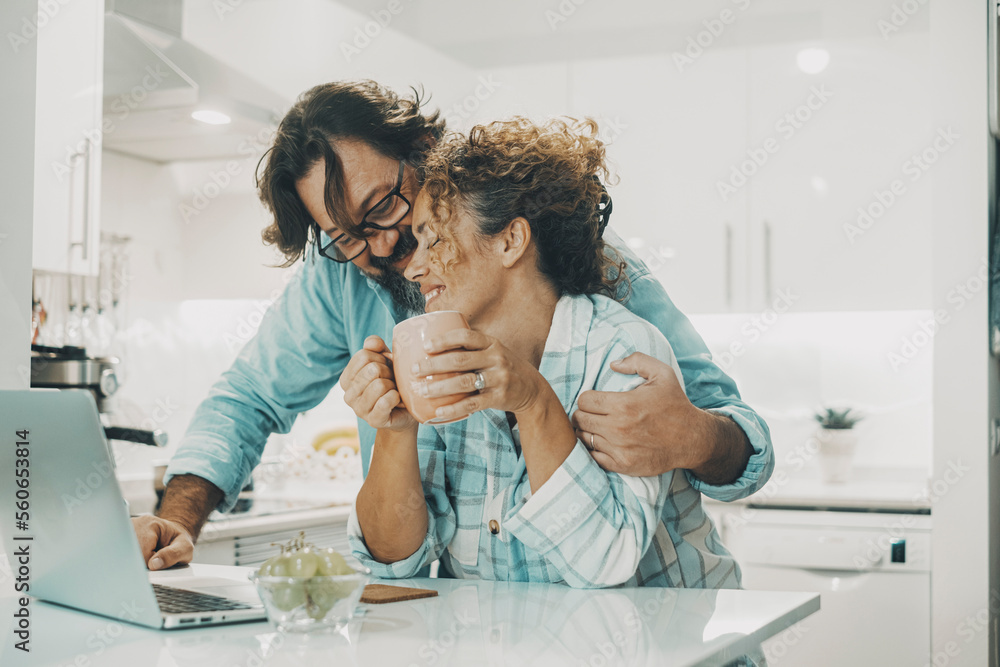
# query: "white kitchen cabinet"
{"points": [[846, 138], [671, 140], [743, 174], [68, 117], [859, 562], [17, 72]]}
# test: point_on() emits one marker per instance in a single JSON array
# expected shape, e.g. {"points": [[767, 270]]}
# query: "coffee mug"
{"points": [[408, 339]]}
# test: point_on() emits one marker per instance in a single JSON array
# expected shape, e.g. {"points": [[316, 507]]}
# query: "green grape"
{"points": [[276, 566], [287, 596], [323, 595], [332, 563], [303, 563]]}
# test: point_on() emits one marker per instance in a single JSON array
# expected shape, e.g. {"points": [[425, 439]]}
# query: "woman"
{"points": [[509, 225]]}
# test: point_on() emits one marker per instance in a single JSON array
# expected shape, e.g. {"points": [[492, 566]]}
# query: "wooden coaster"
{"points": [[383, 594]]}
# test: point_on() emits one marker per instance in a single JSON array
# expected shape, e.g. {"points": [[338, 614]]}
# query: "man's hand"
{"points": [[169, 538], [655, 428], [163, 542]]}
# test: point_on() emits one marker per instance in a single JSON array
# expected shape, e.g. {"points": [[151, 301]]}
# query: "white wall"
{"points": [[960, 540], [17, 145]]}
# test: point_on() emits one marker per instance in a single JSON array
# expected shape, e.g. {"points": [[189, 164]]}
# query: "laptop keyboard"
{"points": [[179, 601]]}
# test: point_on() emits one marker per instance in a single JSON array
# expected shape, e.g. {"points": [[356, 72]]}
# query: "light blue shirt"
{"points": [[324, 315], [584, 526]]}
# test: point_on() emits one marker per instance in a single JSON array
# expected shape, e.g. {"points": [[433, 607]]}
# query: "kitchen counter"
{"points": [[469, 623], [868, 489]]}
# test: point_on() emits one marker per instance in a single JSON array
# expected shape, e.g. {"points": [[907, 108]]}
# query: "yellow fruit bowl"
{"points": [[319, 603]]}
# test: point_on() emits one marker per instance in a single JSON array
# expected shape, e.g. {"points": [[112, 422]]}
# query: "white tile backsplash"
{"points": [[174, 353], [803, 361]]}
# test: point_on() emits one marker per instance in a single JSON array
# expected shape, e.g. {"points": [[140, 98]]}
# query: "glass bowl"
{"points": [[311, 604]]}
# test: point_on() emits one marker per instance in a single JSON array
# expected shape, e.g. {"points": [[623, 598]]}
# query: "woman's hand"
{"points": [[370, 388], [511, 383]]}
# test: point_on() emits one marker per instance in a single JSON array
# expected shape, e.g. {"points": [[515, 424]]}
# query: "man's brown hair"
{"points": [[364, 110]]}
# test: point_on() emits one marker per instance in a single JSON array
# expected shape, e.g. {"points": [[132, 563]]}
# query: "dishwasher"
{"points": [[871, 568]]}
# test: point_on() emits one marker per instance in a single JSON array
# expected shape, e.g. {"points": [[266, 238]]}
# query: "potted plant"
{"points": [[837, 442]]}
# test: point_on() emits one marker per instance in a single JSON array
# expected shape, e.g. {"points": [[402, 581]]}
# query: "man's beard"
{"points": [[405, 294]]}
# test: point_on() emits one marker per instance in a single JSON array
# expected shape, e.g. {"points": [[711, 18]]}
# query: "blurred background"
{"points": [[791, 171], [747, 162]]}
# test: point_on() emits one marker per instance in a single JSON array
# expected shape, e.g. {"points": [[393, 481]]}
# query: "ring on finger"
{"points": [[591, 442], [480, 383]]}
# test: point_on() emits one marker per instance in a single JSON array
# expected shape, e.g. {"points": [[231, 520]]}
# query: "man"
{"points": [[340, 181]]}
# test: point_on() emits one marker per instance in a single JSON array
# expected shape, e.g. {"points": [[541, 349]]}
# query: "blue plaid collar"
{"points": [[565, 355]]}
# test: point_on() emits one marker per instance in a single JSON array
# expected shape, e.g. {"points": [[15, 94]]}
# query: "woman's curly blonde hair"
{"points": [[550, 175]]}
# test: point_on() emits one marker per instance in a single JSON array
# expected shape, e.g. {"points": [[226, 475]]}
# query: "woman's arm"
{"points": [[547, 436], [594, 526], [392, 528], [392, 512], [383, 509]]}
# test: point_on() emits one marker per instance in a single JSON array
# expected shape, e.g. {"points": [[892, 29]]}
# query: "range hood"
{"points": [[154, 81]]}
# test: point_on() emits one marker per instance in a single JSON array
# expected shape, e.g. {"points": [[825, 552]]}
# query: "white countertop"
{"points": [[469, 623], [868, 489]]}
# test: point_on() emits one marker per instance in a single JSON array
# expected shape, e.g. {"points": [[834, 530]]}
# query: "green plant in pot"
{"points": [[837, 442]]}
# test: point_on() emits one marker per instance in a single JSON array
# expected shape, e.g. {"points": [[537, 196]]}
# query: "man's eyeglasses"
{"points": [[385, 214]]}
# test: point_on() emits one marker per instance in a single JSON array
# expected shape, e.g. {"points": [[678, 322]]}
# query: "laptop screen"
{"points": [[71, 523]]}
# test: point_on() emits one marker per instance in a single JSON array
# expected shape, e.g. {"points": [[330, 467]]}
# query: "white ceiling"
{"points": [[511, 32]]}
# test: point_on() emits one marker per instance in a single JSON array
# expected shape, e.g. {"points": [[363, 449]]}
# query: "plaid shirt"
{"points": [[584, 526]]}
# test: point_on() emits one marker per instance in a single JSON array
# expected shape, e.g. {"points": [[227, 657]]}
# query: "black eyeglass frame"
{"points": [[365, 224]]}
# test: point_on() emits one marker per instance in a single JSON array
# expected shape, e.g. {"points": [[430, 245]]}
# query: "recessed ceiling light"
{"points": [[813, 61], [211, 117]]}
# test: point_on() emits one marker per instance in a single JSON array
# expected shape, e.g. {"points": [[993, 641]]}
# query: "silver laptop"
{"points": [[67, 514]]}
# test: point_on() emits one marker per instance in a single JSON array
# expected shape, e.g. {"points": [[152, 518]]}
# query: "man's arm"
{"points": [[684, 432], [633, 427], [188, 500], [728, 450], [169, 537], [288, 367]]}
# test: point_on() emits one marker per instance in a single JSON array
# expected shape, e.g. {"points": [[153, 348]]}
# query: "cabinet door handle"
{"points": [[729, 266], [768, 272], [85, 241]]}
